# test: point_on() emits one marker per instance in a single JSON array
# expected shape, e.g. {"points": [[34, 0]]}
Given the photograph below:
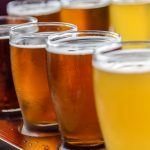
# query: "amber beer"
{"points": [[29, 71], [87, 15], [70, 78], [8, 99], [44, 11], [72, 83], [28, 61]]}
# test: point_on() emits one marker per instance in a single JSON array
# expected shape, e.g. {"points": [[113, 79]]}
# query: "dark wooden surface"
{"points": [[11, 139], [9, 133]]}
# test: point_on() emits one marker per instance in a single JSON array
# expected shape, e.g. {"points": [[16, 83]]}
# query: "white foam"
{"points": [[126, 62], [77, 45], [85, 4], [34, 9], [130, 2], [28, 42], [4, 37]]}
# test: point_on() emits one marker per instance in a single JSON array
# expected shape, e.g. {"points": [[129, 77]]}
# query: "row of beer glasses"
{"points": [[91, 14], [70, 88], [68, 61], [121, 85], [70, 79], [86, 14]]}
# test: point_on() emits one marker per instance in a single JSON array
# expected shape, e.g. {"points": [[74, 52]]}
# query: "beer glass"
{"points": [[86, 14], [28, 62], [130, 19], [8, 100], [47, 10], [69, 62], [122, 93]]}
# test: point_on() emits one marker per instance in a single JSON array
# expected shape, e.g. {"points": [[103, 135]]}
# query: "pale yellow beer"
{"points": [[131, 19], [122, 93], [44, 11], [87, 15]]}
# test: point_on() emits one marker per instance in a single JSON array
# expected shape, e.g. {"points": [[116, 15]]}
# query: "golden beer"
{"points": [[85, 14], [45, 11], [122, 93], [131, 19]]}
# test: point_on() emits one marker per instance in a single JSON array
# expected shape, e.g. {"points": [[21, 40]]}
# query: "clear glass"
{"points": [[43, 10], [92, 14], [69, 62], [122, 94], [132, 21], [8, 100], [28, 62]]}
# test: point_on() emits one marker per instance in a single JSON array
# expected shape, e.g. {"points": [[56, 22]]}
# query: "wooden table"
{"points": [[9, 134]]}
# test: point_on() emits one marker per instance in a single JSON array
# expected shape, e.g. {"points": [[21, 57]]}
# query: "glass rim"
{"points": [[105, 56], [97, 33], [21, 26], [115, 46], [84, 4], [5, 28], [14, 2], [10, 17]]}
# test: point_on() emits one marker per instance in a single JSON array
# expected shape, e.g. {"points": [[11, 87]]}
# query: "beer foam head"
{"points": [[76, 44], [35, 9], [124, 61], [29, 41], [84, 4]]}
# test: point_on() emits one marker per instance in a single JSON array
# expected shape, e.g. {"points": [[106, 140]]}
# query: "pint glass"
{"points": [[122, 93], [8, 99], [130, 19], [69, 61], [28, 61], [43, 10], [86, 14]]}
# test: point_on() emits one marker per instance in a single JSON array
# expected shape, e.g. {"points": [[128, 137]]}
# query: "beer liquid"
{"points": [[31, 83], [122, 92], [70, 77], [43, 12], [8, 99], [131, 20], [87, 16]]}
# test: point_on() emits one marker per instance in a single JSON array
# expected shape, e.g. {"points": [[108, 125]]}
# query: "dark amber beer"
{"points": [[87, 15], [69, 60], [44, 11], [8, 98], [28, 61]]}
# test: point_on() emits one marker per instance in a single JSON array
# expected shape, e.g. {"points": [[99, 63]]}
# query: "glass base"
{"points": [[10, 114], [66, 146], [41, 131]]}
